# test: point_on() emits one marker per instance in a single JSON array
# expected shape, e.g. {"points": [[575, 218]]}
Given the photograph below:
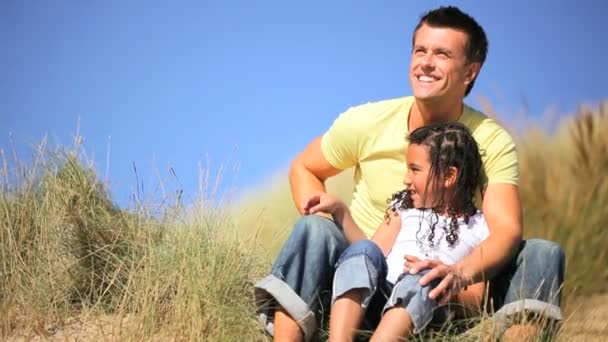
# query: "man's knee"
{"points": [[543, 254], [539, 274], [316, 227]]}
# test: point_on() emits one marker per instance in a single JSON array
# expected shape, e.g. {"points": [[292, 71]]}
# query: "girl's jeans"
{"points": [[362, 266], [301, 277]]}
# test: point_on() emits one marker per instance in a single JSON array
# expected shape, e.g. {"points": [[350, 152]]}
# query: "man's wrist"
{"points": [[464, 274]]}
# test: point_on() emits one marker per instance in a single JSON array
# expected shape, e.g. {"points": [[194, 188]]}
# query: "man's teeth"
{"points": [[426, 78]]}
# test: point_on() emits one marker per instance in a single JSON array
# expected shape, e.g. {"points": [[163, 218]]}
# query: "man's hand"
{"points": [[451, 280], [323, 202]]}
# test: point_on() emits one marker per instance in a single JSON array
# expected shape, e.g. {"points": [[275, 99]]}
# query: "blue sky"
{"points": [[175, 84]]}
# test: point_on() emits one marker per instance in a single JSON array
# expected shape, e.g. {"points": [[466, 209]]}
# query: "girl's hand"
{"points": [[323, 202], [410, 260]]}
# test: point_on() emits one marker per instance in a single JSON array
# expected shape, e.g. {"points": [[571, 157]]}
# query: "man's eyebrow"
{"points": [[443, 50]]}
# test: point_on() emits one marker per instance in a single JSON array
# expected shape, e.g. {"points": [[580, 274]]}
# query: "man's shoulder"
{"points": [[481, 125], [497, 148], [374, 109], [385, 103]]}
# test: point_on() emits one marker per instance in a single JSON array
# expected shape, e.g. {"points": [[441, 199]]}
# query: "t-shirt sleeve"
{"points": [[501, 163], [341, 143]]}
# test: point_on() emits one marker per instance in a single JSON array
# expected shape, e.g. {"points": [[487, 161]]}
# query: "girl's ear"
{"points": [[451, 177]]}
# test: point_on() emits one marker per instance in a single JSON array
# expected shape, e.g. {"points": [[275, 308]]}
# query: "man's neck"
{"points": [[423, 113]]}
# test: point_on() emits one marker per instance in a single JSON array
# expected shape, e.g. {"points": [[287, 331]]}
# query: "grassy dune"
{"points": [[75, 266]]}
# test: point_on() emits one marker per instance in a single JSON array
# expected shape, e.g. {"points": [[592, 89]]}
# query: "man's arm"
{"points": [[308, 173], [503, 213]]}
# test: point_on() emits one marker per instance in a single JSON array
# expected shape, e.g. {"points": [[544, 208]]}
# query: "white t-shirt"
{"points": [[413, 239]]}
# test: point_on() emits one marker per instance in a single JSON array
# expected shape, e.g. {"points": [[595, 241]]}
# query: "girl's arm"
{"points": [[384, 237], [386, 234], [344, 219], [322, 202]]}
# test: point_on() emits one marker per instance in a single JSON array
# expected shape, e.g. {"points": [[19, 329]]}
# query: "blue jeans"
{"points": [[301, 277], [531, 282]]}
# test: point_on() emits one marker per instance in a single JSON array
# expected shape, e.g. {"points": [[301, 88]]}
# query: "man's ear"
{"points": [[451, 177], [472, 72]]}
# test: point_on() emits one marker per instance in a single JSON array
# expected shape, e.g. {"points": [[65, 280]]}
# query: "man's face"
{"points": [[439, 69]]}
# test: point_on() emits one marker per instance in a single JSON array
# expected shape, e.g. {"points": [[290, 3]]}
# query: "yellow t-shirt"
{"points": [[372, 138]]}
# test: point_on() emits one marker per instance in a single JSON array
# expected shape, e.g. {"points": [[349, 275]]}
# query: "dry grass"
{"points": [[73, 263], [564, 188]]}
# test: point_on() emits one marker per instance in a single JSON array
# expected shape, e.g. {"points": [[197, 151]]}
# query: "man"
{"points": [[448, 51]]}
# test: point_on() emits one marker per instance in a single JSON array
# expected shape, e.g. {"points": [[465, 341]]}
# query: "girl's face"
{"points": [[416, 179]]}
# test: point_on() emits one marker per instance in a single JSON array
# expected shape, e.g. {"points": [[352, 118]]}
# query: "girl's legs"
{"points": [[346, 316], [408, 310], [360, 271], [395, 325]]}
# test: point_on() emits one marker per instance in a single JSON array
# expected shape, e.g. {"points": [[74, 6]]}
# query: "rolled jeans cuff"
{"points": [[272, 288], [502, 317], [354, 273]]}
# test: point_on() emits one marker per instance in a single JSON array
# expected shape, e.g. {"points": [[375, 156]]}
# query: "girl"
{"points": [[434, 218]]}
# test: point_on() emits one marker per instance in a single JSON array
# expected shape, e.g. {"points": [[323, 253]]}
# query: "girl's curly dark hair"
{"points": [[450, 144]]}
